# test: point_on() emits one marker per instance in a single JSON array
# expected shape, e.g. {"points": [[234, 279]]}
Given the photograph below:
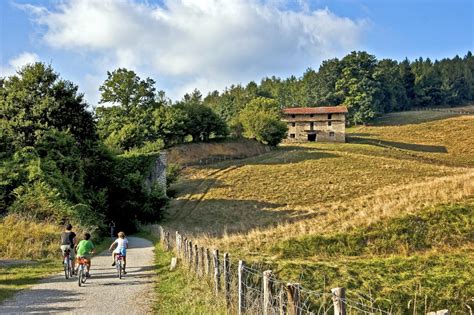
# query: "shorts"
{"points": [[71, 250], [121, 251], [87, 257]]}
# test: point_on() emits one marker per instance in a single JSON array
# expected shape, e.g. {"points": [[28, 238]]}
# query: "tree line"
{"points": [[142, 117], [367, 86]]}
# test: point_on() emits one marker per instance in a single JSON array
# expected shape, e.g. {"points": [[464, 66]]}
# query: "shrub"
{"points": [[260, 120]]}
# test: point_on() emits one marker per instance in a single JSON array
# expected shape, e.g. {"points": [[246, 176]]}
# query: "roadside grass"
{"points": [[23, 238], [179, 291], [14, 278]]}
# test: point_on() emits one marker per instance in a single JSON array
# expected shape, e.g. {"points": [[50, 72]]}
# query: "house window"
{"points": [[293, 124], [292, 116], [311, 115], [329, 123], [292, 135], [311, 125], [329, 116], [331, 134]]}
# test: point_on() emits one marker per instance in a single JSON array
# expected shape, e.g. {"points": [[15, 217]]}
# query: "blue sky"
{"points": [[210, 44]]}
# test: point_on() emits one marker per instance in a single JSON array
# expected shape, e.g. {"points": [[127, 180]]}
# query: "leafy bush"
{"points": [[260, 120]]}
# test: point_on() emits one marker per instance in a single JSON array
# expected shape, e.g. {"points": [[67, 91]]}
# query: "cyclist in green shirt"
{"points": [[85, 249]]}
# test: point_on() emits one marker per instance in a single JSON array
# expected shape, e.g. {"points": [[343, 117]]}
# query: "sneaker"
{"points": [[124, 272], [113, 264], [88, 275]]}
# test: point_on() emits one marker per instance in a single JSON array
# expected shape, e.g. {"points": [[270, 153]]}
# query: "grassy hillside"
{"points": [[390, 213]]}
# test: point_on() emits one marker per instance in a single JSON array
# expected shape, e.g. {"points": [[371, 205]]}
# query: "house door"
{"points": [[312, 137]]}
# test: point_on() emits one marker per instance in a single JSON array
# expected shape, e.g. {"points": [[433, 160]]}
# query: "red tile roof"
{"points": [[315, 110]]}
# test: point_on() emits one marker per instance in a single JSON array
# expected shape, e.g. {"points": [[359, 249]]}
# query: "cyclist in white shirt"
{"points": [[121, 245]]}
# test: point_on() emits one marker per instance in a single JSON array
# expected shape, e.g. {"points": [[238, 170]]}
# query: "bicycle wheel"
{"points": [[66, 271], [120, 269], [71, 269], [80, 275]]}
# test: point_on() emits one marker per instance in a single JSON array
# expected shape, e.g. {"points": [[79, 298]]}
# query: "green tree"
{"points": [[260, 120], [324, 84], [362, 93], [125, 88], [36, 100], [393, 96], [428, 91], [202, 122], [408, 79], [170, 125], [128, 123]]}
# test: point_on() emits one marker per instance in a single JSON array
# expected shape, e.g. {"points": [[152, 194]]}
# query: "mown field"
{"points": [[388, 215]]}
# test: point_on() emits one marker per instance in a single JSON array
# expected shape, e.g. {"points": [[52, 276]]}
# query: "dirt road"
{"points": [[103, 293]]}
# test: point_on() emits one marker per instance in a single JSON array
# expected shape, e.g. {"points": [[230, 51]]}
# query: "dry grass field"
{"points": [[407, 168]]}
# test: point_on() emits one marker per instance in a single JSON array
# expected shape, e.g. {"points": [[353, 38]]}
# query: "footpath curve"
{"points": [[103, 293]]}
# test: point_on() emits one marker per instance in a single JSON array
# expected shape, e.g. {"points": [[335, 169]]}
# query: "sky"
{"points": [[212, 44]]}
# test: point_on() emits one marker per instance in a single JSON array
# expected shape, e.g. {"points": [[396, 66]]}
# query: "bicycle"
{"points": [[119, 265], [67, 262], [81, 271]]}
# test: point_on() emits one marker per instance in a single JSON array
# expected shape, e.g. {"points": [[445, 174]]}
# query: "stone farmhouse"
{"points": [[322, 124]]}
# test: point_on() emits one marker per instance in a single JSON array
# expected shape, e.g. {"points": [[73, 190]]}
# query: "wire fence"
{"points": [[221, 158], [249, 290], [453, 110]]}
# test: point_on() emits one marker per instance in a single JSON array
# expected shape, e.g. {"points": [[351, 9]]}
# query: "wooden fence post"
{"points": [[241, 306], [227, 279], [208, 262], [217, 272], [201, 268], [162, 234], [174, 262], [178, 243], [185, 250], [167, 241], [293, 294], [196, 259], [267, 292], [338, 300], [190, 258], [281, 300]]}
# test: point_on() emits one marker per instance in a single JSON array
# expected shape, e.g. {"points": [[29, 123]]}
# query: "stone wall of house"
{"points": [[325, 129]]}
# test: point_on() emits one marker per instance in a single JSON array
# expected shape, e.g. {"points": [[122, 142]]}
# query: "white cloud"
{"points": [[206, 44], [17, 62]]}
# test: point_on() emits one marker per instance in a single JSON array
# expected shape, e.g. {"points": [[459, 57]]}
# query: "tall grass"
{"points": [[22, 237]]}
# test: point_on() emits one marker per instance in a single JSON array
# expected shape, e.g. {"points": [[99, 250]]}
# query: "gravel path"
{"points": [[103, 293]]}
